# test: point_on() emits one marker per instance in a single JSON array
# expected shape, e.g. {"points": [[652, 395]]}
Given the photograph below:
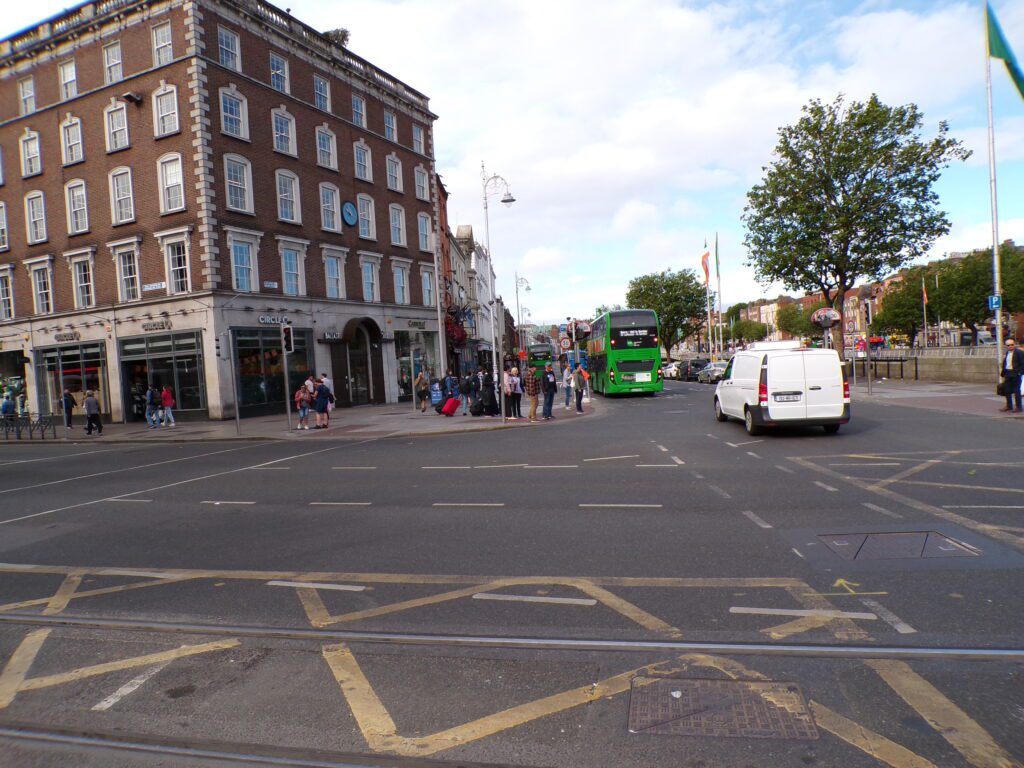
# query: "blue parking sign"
{"points": [[995, 302]]}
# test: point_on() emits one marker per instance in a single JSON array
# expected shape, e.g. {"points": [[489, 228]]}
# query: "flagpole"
{"points": [[924, 311], [707, 301], [997, 277], [718, 278]]}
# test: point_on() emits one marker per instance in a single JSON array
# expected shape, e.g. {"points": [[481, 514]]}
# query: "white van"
{"points": [[782, 383]]}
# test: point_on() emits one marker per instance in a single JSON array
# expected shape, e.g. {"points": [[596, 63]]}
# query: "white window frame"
{"points": [[371, 260], [69, 190], [422, 175], [362, 146], [115, 173], [396, 215], [285, 243], [176, 236], [71, 122], [332, 147], [370, 219], [86, 257], [29, 229], [427, 279], [1, 166], [67, 76], [279, 175], [162, 164], [247, 180], [243, 112], [26, 95], [43, 264], [419, 142], [113, 63], [7, 310], [223, 34], [321, 95], [358, 110], [28, 139], [283, 72], [158, 94], [335, 210], [108, 129], [390, 125], [5, 235], [251, 238], [395, 184], [163, 50], [129, 247], [401, 267], [283, 113], [424, 235], [329, 253]]}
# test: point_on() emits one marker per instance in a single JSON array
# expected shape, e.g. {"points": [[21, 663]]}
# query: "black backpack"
{"points": [[465, 386]]}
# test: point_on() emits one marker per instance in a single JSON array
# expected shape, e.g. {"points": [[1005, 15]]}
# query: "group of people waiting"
{"points": [[317, 395]]}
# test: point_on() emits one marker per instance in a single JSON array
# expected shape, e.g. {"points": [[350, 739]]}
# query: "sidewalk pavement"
{"points": [[361, 422], [952, 397]]}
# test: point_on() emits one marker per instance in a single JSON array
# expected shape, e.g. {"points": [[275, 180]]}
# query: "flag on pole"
{"points": [[704, 264], [998, 48], [924, 292]]}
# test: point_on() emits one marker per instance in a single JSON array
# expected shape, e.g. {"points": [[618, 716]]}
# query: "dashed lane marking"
{"points": [[756, 520], [802, 612], [982, 506], [713, 437], [317, 585], [751, 453], [609, 458], [551, 466], [129, 688], [787, 470], [670, 466], [468, 504], [677, 460], [465, 467], [826, 487], [883, 510], [888, 616], [499, 466], [356, 468], [662, 448], [218, 503], [535, 599], [52, 458], [264, 468], [724, 494], [622, 506], [797, 553], [134, 501], [340, 503]]}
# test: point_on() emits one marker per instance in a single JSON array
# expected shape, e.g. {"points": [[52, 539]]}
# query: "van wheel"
{"points": [[831, 429], [718, 411], [748, 422]]}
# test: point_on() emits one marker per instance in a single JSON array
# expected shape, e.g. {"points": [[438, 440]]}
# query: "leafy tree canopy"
{"points": [[732, 314], [606, 308], [677, 297], [964, 286], [749, 330], [794, 320], [903, 306]]}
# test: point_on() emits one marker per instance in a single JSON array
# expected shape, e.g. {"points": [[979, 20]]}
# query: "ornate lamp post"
{"points": [[490, 186]]}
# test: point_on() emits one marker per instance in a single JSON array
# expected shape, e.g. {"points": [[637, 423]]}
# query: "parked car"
{"points": [[711, 372], [672, 370], [690, 368]]}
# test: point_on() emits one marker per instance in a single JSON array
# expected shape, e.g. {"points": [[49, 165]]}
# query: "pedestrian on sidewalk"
{"points": [[532, 386], [23, 404], [516, 395], [167, 406], [466, 392], [329, 383], [91, 406], [302, 402], [567, 385], [7, 407], [152, 407], [323, 395], [549, 383], [489, 396], [1013, 368], [577, 386], [422, 388], [67, 402], [506, 389]]}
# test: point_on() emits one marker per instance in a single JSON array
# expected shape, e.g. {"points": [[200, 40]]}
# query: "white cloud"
{"points": [[635, 215]]}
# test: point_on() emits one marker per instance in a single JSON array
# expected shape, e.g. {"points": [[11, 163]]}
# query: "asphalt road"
{"points": [[562, 595]]}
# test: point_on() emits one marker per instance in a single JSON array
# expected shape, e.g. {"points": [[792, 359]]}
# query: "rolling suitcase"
{"points": [[476, 409], [450, 407]]}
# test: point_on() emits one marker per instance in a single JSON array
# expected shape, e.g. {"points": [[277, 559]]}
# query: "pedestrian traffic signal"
{"points": [[287, 339]]}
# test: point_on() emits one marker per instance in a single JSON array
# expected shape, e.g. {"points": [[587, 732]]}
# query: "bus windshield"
{"points": [[634, 337]]}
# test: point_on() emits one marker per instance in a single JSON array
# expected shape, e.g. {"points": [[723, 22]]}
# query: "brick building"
{"points": [[181, 177]]}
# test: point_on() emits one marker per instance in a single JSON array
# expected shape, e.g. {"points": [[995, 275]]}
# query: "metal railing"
{"points": [[33, 426]]}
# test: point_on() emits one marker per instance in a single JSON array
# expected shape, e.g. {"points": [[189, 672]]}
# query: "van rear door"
{"points": [[824, 384], [787, 395]]}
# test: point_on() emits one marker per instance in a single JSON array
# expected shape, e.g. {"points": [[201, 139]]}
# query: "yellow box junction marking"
{"points": [[14, 672]]}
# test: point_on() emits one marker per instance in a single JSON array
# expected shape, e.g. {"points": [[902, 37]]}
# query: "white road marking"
{"points": [[751, 453], [787, 470], [698, 475], [353, 467], [52, 458], [676, 411], [218, 503], [719, 491], [317, 585], [798, 554], [671, 466], [140, 501], [551, 466], [271, 467], [468, 504], [869, 464], [749, 442], [609, 458], [677, 460], [498, 466], [466, 467], [981, 506], [826, 487], [713, 437], [804, 612], [535, 599], [883, 510], [662, 448], [621, 506], [889, 617], [130, 687], [340, 503], [754, 518]]}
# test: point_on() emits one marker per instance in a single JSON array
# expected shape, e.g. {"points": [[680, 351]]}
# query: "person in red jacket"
{"points": [[167, 407]]}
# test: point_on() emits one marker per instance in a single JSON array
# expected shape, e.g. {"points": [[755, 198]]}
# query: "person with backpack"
{"points": [[322, 400], [549, 384], [303, 399], [67, 402], [152, 407], [465, 390]]}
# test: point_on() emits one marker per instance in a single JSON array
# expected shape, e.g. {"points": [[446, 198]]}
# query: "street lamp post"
{"points": [[493, 181], [520, 281]]}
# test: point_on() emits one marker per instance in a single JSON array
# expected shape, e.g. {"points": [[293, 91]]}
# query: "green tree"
{"points": [[903, 305], [794, 320], [606, 308], [964, 286], [732, 314], [749, 330], [677, 297], [847, 196]]}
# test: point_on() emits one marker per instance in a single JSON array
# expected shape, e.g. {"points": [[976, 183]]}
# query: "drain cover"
{"points": [[720, 708], [909, 545]]}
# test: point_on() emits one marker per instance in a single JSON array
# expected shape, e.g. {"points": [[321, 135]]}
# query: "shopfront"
{"points": [[259, 366], [12, 373], [415, 351], [163, 359], [75, 365]]}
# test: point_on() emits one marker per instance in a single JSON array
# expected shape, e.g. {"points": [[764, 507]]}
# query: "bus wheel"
{"points": [[748, 422], [718, 411]]}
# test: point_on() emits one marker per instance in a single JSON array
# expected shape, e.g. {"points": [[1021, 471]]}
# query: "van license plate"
{"points": [[643, 377], [787, 398]]}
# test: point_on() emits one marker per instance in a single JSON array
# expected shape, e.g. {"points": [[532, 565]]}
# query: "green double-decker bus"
{"points": [[537, 356], [625, 353]]}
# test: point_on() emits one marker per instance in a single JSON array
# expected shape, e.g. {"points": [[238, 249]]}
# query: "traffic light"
{"points": [[287, 339]]}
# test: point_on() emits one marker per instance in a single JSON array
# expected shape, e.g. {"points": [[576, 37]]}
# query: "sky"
{"points": [[629, 131]]}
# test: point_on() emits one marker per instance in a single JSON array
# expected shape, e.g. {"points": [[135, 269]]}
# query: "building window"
{"points": [[31, 160], [244, 246], [329, 218], [401, 285], [1, 165], [423, 222], [293, 257], [27, 95], [278, 72], [172, 185], [359, 111], [322, 93], [42, 292], [238, 180], [427, 278], [117, 126], [81, 270], [397, 218], [334, 274], [112, 72], [122, 204], [127, 273], [163, 50], [35, 218], [77, 207], [367, 225], [394, 166], [176, 259], [422, 187], [363, 161], [326, 148], [369, 268], [234, 113], [165, 110], [390, 126], [71, 140], [4, 243], [6, 294], [284, 132], [68, 80], [417, 139], [227, 45], [288, 197]]}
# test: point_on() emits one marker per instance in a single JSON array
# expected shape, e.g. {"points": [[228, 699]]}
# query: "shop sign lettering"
{"points": [[274, 320], [72, 336], [421, 324], [155, 286], [332, 335], [157, 325]]}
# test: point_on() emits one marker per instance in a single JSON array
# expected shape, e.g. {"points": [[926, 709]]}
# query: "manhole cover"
{"points": [[721, 708], [903, 545]]}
